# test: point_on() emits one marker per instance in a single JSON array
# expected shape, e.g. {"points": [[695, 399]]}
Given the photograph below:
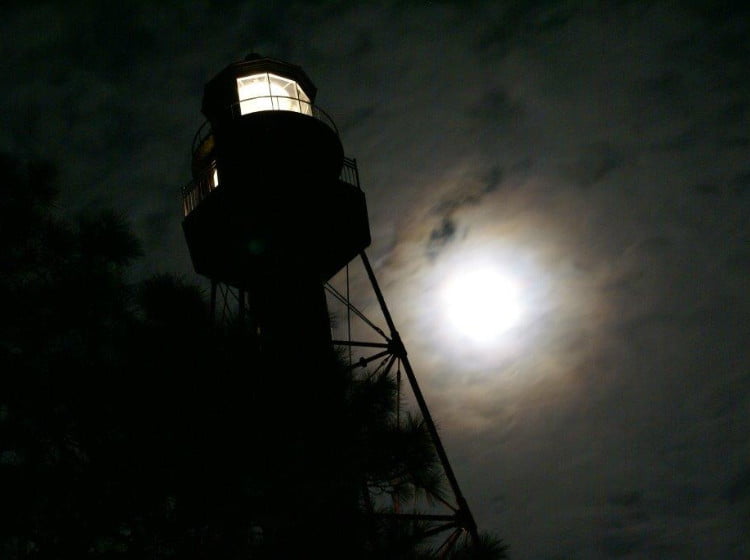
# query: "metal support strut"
{"points": [[463, 516]]}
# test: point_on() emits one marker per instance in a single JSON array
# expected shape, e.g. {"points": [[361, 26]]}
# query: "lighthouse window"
{"points": [[270, 92]]}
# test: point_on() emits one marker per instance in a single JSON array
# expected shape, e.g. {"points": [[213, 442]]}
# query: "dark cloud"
{"points": [[741, 183], [735, 141], [448, 230], [521, 22], [617, 545], [441, 236], [683, 501], [471, 191], [735, 110], [629, 518], [129, 43], [265, 28], [595, 162], [627, 498], [739, 263], [707, 189], [739, 489], [494, 179], [496, 106], [358, 117]]}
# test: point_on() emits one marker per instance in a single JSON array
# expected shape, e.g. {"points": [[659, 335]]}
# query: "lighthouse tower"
{"points": [[275, 210], [272, 210]]}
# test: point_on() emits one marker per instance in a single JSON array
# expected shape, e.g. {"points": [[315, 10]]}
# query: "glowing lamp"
{"points": [[270, 92]]}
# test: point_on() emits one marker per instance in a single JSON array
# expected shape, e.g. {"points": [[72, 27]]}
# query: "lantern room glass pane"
{"points": [[270, 92]]}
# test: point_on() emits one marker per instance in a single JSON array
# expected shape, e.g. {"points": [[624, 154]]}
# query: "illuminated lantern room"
{"points": [[258, 84], [271, 92], [270, 180]]}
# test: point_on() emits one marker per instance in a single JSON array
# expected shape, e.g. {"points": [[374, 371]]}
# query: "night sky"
{"points": [[599, 156]]}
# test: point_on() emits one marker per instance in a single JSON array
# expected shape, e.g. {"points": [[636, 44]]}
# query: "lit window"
{"points": [[269, 92]]}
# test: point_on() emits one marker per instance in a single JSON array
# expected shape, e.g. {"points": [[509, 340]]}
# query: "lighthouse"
{"points": [[274, 210]]}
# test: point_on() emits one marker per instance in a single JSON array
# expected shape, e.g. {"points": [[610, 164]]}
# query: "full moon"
{"points": [[481, 304]]}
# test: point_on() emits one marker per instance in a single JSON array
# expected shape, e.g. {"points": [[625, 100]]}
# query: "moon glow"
{"points": [[481, 304]]}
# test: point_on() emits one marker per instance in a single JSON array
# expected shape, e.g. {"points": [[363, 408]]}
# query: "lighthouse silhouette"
{"points": [[273, 212]]}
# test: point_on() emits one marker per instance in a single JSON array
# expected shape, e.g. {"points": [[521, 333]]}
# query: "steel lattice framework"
{"points": [[385, 351]]}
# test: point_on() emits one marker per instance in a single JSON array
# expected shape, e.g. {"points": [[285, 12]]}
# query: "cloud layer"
{"points": [[598, 153]]}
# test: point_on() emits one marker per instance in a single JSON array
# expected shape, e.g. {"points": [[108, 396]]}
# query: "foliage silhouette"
{"points": [[130, 427]]}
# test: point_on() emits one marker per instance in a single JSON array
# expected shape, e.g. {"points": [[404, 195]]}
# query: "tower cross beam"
{"points": [[464, 515]]}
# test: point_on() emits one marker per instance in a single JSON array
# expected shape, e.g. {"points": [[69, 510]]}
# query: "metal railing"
{"points": [[282, 103], [349, 172], [201, 135], [275, 101], [200, 187]]}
